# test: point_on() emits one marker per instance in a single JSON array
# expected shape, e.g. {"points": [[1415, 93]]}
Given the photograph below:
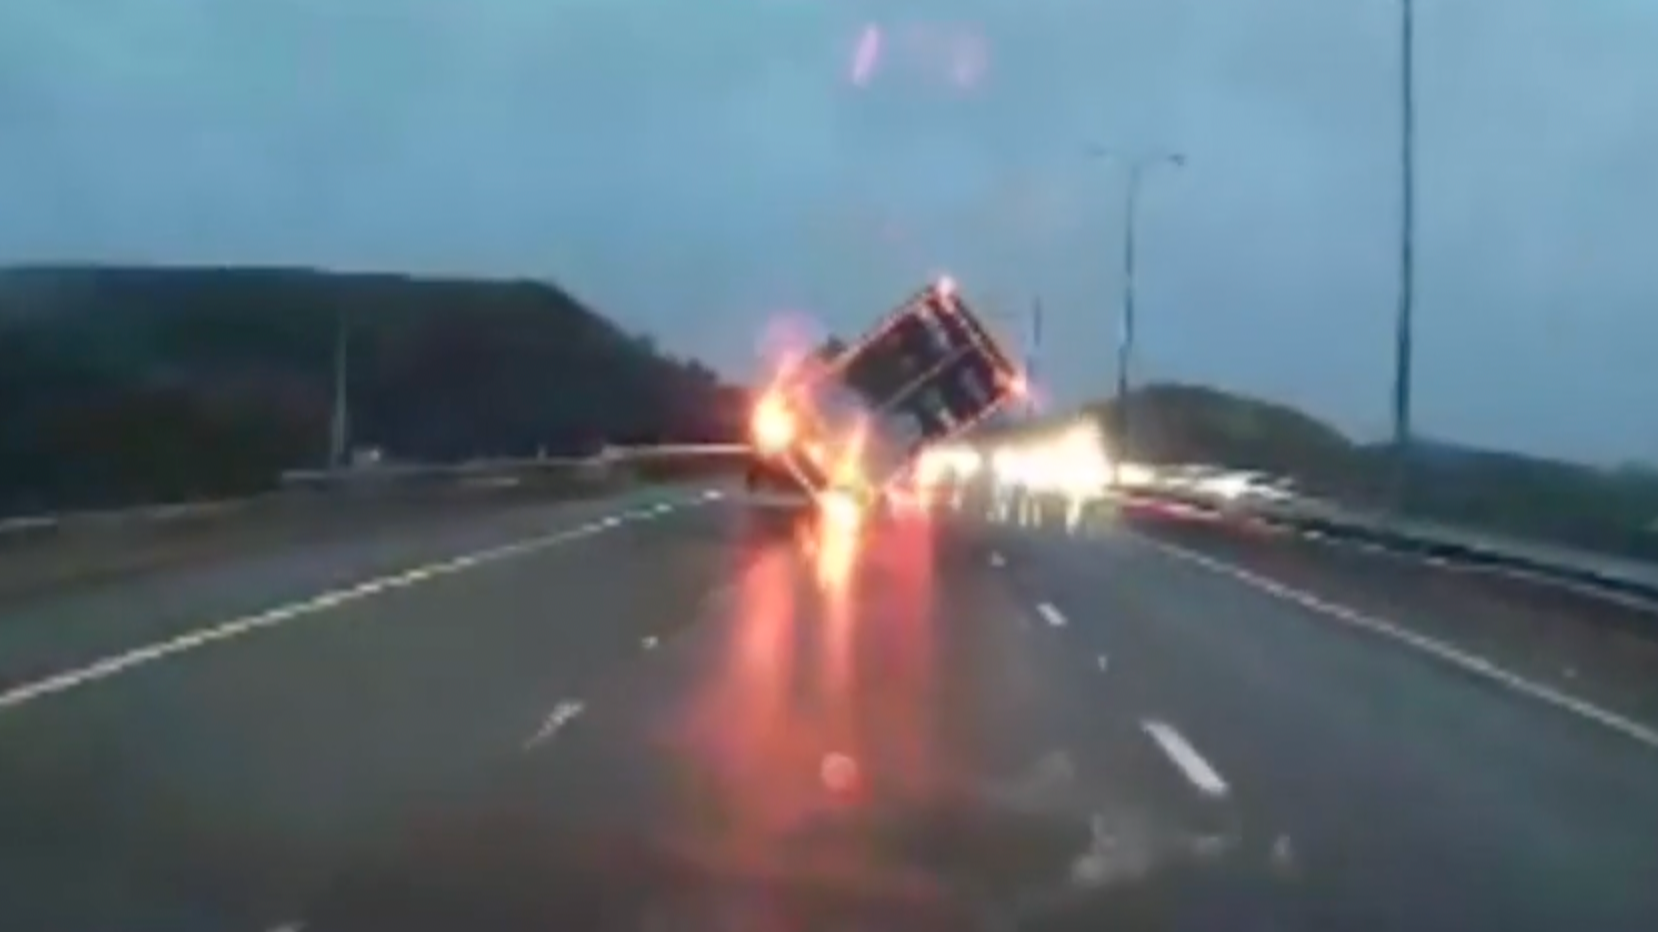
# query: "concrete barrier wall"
{"points": [[45, 554]]}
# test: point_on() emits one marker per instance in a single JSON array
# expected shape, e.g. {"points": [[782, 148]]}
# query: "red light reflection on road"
{"points": [[893, 693], [823, 695], [740, 726], [834, 556]]}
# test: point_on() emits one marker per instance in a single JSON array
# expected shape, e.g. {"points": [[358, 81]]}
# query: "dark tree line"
{"points": [[126, 386]]}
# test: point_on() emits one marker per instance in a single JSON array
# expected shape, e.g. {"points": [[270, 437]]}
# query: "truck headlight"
{"points": [[773, 425]]}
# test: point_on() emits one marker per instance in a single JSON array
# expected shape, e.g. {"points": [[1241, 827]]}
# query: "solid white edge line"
{"points": [[1587, 590], [223, 631], [1605, 594], [1471, 663], [1186, 758], [1050, 614]]}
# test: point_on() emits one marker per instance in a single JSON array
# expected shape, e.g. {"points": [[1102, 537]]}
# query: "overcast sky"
{"points": [[700, 167]]}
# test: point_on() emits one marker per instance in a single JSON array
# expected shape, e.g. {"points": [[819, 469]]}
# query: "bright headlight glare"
{"points": [[1005, 463], [773, 426], [841, 510], [931, 467], [1134, 475]]}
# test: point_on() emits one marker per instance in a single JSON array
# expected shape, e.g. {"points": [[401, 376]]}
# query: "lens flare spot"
{"points": [[840, 773], [866, 56]]}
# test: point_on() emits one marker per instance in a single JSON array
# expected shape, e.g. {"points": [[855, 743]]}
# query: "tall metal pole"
{"points": [[1403, 348], [1125, 335], [340, 417], [1137, 168]]}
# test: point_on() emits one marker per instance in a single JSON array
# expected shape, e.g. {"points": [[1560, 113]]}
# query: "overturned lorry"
{"points": [[842, 427]]}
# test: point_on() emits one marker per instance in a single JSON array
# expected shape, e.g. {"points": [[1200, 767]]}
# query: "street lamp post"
{"points": [[1403, 346], [1138, 166]]}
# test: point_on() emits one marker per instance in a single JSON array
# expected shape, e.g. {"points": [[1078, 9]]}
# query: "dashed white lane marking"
{"points": [[247, 624], [561, 715], [1471, 663], [650, 642], [1050, 614], [1186, 757], [997, 560], [1104, 663]]}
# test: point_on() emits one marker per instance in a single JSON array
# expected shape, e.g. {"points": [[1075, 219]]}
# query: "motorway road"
{"points": [[599, 715]]}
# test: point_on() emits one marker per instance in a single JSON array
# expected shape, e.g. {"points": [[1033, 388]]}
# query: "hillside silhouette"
{"points": [[121, 386]]}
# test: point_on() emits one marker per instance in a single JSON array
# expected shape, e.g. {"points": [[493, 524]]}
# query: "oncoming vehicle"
{"points": [[840, 427]]}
